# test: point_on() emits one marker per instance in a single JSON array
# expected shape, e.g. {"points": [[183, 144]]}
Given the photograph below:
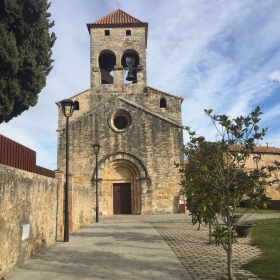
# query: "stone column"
{"points": [[118, 78]]}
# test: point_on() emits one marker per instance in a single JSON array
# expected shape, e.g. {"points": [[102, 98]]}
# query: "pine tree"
{"points": [[25, 54]]}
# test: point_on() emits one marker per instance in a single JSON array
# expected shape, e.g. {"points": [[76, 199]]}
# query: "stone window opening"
{"points": [[107, 61], [128, 32], [107, 32], [130, 62], [120, 120], [77, 105], [162, 103]]}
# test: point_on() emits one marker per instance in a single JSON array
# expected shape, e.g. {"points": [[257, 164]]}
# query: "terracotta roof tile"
{"points": [[117, 17], [261, 149], [267, 150], [257, 150]]}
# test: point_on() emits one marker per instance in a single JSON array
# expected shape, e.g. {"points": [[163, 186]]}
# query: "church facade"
{"points": [[139, 128]]}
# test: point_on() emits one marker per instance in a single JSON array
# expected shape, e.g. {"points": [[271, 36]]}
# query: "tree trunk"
{"points": [[230, 272], [210, 233], [229, 243]]}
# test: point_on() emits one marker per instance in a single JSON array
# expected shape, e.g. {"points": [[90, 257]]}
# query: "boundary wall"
{"points": [[31, 213], [28, 209], [80, 204]]}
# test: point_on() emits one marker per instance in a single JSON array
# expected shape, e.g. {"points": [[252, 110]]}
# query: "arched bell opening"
{"points": [[107, 61], [130, 62]]}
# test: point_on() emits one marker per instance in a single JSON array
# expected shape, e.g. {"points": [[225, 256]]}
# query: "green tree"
{"points": [[25, 54], [215, 179], [202, 201]]}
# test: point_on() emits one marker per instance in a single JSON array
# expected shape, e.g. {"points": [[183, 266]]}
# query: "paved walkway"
{"points": [[133, 247], [205, 261]]}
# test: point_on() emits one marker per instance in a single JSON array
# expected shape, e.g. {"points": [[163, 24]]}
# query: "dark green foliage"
{"points": [[25, 54], [199, 179]]}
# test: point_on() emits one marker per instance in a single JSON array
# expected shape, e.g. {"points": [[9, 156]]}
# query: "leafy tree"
{"points": [[25, 54], [215, 179], [202, 201]]}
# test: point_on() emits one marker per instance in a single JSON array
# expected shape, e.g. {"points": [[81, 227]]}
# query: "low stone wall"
{"points": [[80, 203], [31, 213], [82, 209], [28, 212]]}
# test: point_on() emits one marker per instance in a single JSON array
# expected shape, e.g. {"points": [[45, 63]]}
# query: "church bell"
{"points": [[129, 62], [130, 77]]}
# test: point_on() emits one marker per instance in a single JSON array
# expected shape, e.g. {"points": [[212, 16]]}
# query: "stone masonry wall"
{"points": [[150, 138], [84, 104], [272, 189], [118, 43], [80, 203], [30, 199], [25, 199], [153, 140], [83, 201], [149, 100]]}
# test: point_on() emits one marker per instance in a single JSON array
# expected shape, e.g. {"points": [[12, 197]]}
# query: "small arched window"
{"points": [[162, 103], [77, 105]]}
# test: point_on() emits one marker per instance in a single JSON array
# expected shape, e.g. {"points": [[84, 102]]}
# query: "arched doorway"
{"points": [[121, 191]]}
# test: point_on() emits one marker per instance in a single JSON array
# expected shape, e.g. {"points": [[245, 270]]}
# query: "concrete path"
{"points": [[119, 247], [133, 247]]}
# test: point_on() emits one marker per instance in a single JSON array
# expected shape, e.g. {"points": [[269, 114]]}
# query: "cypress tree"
{"points": [[25, 54]]}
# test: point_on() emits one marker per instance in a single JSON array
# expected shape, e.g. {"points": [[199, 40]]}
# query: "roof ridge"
{"points": [[260, 149], [130, 15], [88, 113], [150, 111], [117, 17], [178, 97]]}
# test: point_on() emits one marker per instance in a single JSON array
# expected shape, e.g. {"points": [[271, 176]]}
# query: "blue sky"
{"points": [[218, 54]]}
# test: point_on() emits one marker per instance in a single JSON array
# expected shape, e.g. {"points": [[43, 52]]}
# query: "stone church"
{"points": [[139, 128]]}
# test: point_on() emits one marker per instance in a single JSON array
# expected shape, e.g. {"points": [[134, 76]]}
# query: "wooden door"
{"points": [[122, 198]]}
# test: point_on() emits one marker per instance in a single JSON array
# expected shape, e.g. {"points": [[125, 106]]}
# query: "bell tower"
{"points": [[118, 44]]}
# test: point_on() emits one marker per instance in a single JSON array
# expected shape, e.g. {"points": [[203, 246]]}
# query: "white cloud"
{"points": [[215, 54], [274, 76]]}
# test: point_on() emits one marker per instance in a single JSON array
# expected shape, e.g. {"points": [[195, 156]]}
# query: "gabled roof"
{"points": [[138, 106], [150, 89], [150, 112], [257, 149], [260, 149], [118, 18], [266, 150], [165, 93]]}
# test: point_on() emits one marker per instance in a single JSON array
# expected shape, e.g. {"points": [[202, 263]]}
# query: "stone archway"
{"points": [[120, 171]]}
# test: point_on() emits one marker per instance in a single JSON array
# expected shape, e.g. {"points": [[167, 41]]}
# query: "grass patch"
{"points": [[267, 211], [266, 236]]}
